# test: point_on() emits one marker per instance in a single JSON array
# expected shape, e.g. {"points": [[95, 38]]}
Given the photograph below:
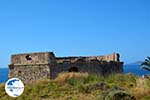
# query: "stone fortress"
{"points": [[33, 66]]}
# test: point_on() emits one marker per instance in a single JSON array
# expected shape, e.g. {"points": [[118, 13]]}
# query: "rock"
{"points": [[115, 93], [119, 95], [145, 76], [100, 85]]}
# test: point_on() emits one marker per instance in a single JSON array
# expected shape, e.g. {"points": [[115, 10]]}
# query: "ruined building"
{"points": [[32, 66]]}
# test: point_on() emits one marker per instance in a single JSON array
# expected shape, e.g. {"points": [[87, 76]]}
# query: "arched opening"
{"points": [[73, 69]]}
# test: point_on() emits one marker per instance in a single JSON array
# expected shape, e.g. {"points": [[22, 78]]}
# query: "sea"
{"points": [[3, 75], [135, 69], [129, 68]]}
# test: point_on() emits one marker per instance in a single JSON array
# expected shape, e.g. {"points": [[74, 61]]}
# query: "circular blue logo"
{"points": [[14, 87]]}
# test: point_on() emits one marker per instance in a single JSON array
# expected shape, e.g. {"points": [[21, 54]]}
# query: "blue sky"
{"points": [[75, 27]]}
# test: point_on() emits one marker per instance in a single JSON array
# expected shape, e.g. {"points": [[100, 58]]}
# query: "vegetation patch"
{"points": [[82, 86]]}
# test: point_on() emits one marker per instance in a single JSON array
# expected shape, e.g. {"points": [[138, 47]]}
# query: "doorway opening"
{"points": [[73, 69]]}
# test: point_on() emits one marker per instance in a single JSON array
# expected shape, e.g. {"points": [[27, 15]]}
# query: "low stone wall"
{"points": [[111, 57]]}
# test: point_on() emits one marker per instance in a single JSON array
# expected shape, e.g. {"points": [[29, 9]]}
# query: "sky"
{"points": [[75, 28]]}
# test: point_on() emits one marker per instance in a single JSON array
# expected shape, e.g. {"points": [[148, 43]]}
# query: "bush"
{"points": [[119, 95], [82, 88], [116, 95], [146, 98]]}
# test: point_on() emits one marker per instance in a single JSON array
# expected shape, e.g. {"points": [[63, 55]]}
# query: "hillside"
{"points": [[78, 86]]}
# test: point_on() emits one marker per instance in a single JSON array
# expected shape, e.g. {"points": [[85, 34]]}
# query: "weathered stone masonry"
{"points": [[32, 66]]}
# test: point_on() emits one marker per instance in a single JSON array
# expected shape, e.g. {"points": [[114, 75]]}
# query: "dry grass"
{"points": [[63, 77], [43, 81], [142, 89]]}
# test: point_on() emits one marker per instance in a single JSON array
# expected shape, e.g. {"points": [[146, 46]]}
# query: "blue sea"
{"points": [[135, 68], [3, 74], [131, 68]]}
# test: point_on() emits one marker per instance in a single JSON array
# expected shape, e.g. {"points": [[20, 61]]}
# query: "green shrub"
{"points": [[115, 93], [82, 88], [119, 95], [92, 79], [73, 81], [146, 98]]}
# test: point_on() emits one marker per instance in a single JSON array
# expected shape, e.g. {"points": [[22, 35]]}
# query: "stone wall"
{"points": [[33, 66], [111, 57], [101, 68], [33, 58], [29, 73]]}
